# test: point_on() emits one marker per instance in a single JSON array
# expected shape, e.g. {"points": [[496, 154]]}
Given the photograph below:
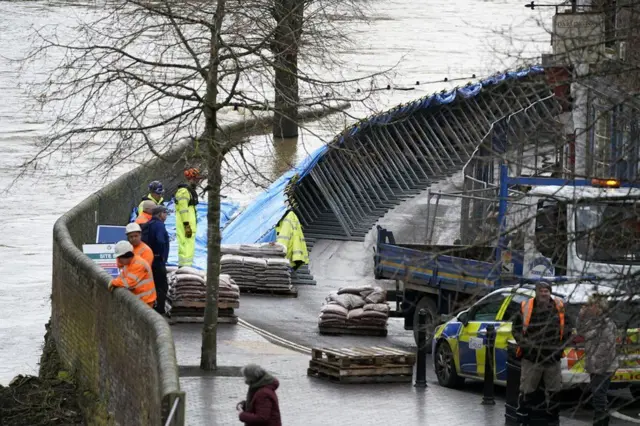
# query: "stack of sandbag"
{"points": [[187, 292], [355, 308], [270, 274], [262, 250], [228, 299], [187, 295]]}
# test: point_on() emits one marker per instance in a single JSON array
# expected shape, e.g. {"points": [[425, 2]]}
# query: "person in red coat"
{"points": [[261, 407]]}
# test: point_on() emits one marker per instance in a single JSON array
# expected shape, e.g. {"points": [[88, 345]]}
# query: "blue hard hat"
{"points": [[156, 187]]}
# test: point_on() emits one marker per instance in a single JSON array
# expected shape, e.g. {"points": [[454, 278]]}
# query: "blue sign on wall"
{"points": [[110, 234]]}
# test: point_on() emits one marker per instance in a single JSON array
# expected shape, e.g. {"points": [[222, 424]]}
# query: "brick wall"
{"points": [[117, 347]]}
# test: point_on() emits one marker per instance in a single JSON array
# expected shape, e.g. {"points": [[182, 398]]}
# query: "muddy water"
{"points": [[423, 41]]}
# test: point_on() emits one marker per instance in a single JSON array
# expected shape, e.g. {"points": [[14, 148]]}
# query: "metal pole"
{"points": [[488, 394], [421, 367]]}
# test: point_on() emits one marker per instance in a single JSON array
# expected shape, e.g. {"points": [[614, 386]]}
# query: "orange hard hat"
{"points": [[192, 173]]}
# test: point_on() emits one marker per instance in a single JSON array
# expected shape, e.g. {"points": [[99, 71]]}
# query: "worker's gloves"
{"points": [[187, 230]]}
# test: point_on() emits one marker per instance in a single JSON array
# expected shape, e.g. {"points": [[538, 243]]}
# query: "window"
{"points": [[551, 230], [514, 306], [608, 232], [488, 308]]}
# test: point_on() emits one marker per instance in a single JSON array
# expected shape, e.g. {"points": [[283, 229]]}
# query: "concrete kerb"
{"points": [[133, 184]]}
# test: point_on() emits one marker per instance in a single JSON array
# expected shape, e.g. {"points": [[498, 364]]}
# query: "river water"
{"points": [[423, 41]]}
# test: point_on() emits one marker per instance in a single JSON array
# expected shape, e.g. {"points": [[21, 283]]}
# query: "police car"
{"points": [[459, 344]]}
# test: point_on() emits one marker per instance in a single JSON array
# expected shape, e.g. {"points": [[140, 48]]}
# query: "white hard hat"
{"points": [[132, 227], [122, 248]]}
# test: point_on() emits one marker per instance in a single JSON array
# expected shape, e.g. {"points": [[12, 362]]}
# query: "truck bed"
{"points": [[458, 268]]}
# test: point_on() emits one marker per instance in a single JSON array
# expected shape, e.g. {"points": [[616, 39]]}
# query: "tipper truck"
{"points": [[546, 227]]}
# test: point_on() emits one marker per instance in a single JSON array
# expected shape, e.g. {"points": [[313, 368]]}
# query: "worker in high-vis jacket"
{"points": [[155, 194], [146, 214], [289, 234], [135, 274], [140, 248], [186, 199]]}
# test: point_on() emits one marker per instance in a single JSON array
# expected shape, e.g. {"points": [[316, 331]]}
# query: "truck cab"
{"points": [[574, 230]]}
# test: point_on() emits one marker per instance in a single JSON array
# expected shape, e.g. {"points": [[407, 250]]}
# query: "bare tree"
{"points": [[141, 75]]}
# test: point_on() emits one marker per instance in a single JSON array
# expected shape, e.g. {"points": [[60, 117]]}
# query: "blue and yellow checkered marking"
{"points": [[471, 362]]}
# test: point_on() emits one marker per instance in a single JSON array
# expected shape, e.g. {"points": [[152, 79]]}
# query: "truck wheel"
{"points": [[446, 367], [428, 305]]}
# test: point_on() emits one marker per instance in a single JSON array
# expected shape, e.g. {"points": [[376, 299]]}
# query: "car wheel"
{"points": [[430, 307], [446, 367]]}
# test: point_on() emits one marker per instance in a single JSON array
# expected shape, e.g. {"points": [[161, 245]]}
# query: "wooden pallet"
{"points": [[192, 304], [374, 356], [365, 375], [270, 292], [361, 331], [228, 305], [200, 320]]}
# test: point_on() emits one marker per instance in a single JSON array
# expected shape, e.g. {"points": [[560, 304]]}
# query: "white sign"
{"points": [[475, 343], [578, 38], [103, 255]]}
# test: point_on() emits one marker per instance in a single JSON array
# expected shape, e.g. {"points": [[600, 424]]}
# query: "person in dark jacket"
{"points": [[541, 330], [261, 408], [155, 235], [600, 333]]}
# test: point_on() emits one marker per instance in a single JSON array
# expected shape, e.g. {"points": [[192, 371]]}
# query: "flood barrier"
{"points": [[344, 187]]}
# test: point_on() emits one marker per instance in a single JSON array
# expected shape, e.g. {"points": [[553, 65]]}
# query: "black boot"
{"points": [[523, 411], [600, 419]]}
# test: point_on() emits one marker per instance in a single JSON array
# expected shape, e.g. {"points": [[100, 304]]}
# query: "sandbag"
{"points": [[359, 291], [377, 296], [366, 324], [373, 314], [331, 323], [190, 270], [355, 313], [335, 309], [349, 301], [379, 307], [179, 284], [190, 277], [329, 315]]}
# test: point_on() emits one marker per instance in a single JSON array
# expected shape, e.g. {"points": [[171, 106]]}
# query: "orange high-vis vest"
{"points": [[526, 307], [137, 278], [143, 218], [142, 250]]}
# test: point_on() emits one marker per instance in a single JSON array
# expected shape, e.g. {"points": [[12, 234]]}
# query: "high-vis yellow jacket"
{"points": [[150, 198], [289, 233], [186, 202]]}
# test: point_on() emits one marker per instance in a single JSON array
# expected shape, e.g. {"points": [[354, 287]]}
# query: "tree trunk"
{"points": [[215, 155], [208, 358], [288, 15]]}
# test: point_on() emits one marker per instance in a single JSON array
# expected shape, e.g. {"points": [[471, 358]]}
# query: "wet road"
{"points": [[211, 398]]}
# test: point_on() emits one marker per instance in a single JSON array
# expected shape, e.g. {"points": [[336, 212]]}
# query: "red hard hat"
{"points": [[192, 173]]}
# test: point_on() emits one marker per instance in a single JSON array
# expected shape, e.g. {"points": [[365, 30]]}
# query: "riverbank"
{"points": [[51, 398]]}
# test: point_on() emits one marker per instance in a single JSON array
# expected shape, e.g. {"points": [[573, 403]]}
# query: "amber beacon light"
{"points": [[607, 183]]}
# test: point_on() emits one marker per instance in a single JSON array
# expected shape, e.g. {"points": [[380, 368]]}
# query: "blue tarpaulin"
{"points": [[257, 222], [227, 210]]}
